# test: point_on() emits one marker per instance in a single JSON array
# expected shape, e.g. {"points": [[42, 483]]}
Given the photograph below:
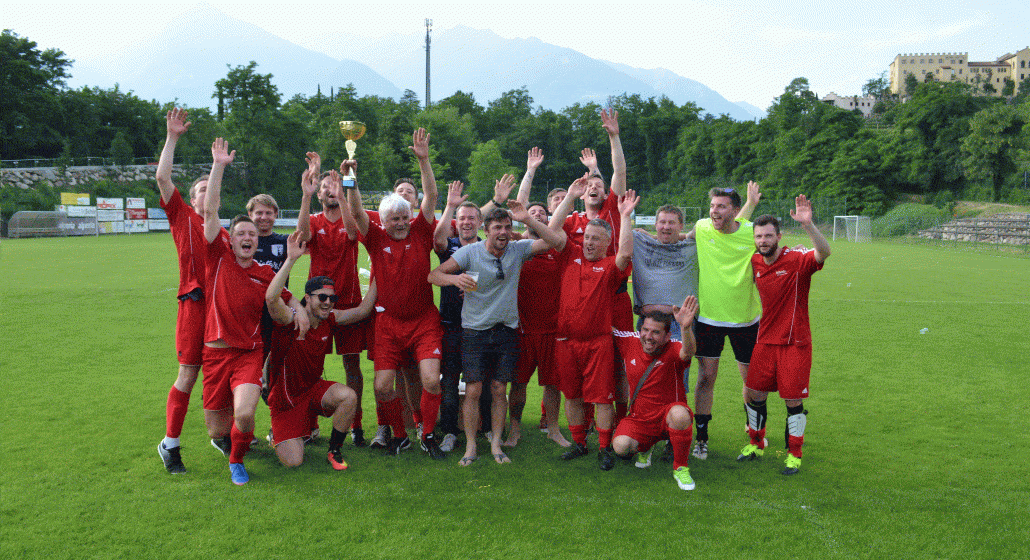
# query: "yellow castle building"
{"points": [[957, 67]]}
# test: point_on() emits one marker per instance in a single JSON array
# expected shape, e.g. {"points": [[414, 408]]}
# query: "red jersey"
{"points": [[401, 268], [188, 233], [541, 277], [783, 287], [577, 222], [236, 297], [334, 255], [587, 294], [664, 385], [294, 366]]}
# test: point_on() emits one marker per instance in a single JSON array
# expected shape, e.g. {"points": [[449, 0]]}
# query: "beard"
{"points": [[770, 252]]}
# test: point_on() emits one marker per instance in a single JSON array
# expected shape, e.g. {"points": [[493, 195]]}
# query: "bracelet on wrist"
{"points": [[497, 204]]}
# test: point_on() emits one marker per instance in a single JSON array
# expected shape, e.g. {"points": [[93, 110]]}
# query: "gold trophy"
{"points": [[352, 131]]}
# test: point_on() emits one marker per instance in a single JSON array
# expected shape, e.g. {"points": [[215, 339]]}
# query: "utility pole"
{"points": [[429, 25]]}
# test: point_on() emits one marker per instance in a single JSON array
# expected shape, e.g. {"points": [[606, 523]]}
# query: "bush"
{"points": [[908, 218]]}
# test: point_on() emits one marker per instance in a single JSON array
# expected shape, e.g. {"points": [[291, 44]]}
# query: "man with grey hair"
{"points": [[409, 323], [489, 314]]}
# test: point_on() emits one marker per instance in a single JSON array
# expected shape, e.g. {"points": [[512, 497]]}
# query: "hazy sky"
{"points": [[745, 53]]}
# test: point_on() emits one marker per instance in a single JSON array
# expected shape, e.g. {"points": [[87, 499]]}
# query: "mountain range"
{"points": [[184, 61]]}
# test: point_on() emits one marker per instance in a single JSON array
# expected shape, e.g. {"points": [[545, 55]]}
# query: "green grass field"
{"points": [[913, 448]]}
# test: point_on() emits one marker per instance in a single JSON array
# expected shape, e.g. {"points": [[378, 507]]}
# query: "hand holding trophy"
{"points": [[352, 131]]}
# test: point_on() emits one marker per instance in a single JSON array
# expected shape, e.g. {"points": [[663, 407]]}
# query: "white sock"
{"points": [[169, 443]]}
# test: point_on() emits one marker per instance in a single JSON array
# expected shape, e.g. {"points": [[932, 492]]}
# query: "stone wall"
{"points": [[29, 177], [1008, 229]]}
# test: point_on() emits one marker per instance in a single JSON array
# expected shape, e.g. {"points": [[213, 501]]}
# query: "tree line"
{"points": [[944, 140]]}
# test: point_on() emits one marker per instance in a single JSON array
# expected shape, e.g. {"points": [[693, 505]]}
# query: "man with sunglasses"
{"points": [[489, 313], [298, 393]]}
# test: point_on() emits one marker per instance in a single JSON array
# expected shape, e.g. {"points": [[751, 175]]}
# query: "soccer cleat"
{"points": [[357, 437], [430, 446], [171, 458], [750, 452], [314, 433], [682, 476], [447, 445], [396, 445], [576, 451], [336, 460], [644, 459], [543, 428], [700, 450], [238, 474], [223, 444], [793, 465], [405, 443], [606, 459], [382, 438], [418, 431]]}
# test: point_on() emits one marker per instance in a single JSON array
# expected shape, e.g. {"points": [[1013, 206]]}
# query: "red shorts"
{"points": [[189, 332], [536, 352], [295, 422], [398, 342], [648, 429], [350, 339], [622, 313], [224, 370], [780, 368], [587, 368]]}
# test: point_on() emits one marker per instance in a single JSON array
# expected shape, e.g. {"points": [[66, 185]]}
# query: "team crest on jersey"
{"points": [[277, 250]]}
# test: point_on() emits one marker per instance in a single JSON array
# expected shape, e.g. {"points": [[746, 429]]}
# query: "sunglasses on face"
{"points": [[325, 297]]}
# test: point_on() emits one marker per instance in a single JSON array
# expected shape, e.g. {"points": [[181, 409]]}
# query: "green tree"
{"points": [[31, 81], [990, 150], [452, 135], [486, 165], [121, 150]]}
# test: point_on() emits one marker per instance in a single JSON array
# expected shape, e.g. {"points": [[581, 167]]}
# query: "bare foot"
{"points": [[501, 458], [514, 433], [467, 460], [558, 438]]}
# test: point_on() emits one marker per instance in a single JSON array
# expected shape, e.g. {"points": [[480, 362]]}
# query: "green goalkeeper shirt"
{"points": [[726, 287]]}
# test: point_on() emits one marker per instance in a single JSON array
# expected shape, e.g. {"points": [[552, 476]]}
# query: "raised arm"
{"points": [[355, 314], [802, 214], [420, 147], [354, 200], [221, 157], [589, 160], [534, 158], [685, 317], [576, 190], [754, 195], [443, 227], [338, 190], [626, 205], [610, 122], [277, 308], [309, 183], [502, 190], [547, 238], [176, 125]]}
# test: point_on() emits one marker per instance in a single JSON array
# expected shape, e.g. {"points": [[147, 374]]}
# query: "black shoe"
{"points": [[223, 444], [396, 445], [574, 452], [606, 459], [171, 458], [666, 456], [432, 447], [357, 437]]}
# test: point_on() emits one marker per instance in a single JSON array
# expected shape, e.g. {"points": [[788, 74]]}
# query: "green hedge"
{"points": [[908, 218]]}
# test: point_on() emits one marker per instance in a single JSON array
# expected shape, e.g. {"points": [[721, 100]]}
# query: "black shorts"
{"points": [[490, 354], [710, 340]]}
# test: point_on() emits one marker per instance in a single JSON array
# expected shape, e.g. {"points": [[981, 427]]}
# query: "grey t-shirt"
{"points": [[663, 273], [495, 299]]}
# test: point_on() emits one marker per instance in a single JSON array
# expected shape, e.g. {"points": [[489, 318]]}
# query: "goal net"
{"points": [[852, 228]]}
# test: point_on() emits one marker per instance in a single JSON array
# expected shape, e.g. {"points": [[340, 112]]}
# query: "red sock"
{"points": [[356, 424], [381, 418], [757, 437], [392, 416], [430, 405], [579, 433], [543, 414], [175, 412], [794, 445], [604, 438], [240, 443], [620, 412], [416, 414], [680, 440]]}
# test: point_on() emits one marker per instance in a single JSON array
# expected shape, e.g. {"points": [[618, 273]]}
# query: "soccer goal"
{"points": [[853, 228]]}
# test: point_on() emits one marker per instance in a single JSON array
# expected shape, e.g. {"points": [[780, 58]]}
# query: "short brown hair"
{"points": [[670, 209], [556, 191], [495, 215], [730, 193], [193, 189], [408, 180], [264, 200], [239, 219], [767, 220]]}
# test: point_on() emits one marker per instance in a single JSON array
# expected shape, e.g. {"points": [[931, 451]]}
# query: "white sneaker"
{"points": [[447, 445], [382, 437], [700, 450]]}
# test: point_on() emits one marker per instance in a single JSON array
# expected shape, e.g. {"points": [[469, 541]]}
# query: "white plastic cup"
{"points": [[475, 278]]}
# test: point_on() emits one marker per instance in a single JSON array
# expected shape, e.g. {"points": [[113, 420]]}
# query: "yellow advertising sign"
{"points": [[75, 199]]}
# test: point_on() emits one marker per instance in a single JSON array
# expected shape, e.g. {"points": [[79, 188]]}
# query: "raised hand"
{"points": [[588, 158], [294, 246], [454, 196], [534, 158], [578, 187], [220, 152], [610, 121], [502, 187], [309, 182], [336, 187], [685, 314], [176, 122], [420, 143], [518, 211], [802, 214], [753, 192], [349, 167], [314, 162], [628, 202]]}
